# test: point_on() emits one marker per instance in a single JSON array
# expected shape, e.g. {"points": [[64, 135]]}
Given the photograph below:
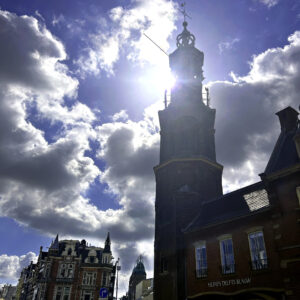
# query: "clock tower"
{"points": [[188, 173]]}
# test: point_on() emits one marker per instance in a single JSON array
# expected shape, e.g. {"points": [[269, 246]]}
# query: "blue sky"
{"points": [[80, 91]]}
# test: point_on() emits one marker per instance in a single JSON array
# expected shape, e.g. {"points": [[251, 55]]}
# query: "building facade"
{"points": [[144, 290], [69, 270], [242, 245]]}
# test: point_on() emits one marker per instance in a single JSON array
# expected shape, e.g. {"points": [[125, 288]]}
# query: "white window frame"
{"points": [[259, 258], [87, 293], [105, 279], [227, 259], [89, 278], [201, 259], [68, 269], [64, 290]]}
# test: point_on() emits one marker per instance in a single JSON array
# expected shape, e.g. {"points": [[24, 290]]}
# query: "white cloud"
{"points": [[269, 3], [223, 46], [246, 127], [120, 116], [43, 182], [124, 34], [11, 266]]}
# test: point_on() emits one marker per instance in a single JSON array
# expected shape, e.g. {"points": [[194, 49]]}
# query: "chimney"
{"points": [[288, 118]]}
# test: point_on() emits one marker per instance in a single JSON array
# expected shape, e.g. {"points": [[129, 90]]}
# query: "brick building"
{"points": [[242, 245], [69, 270]]}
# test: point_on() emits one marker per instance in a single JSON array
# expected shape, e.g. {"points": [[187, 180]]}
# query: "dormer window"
{"points": [[106, 258]]}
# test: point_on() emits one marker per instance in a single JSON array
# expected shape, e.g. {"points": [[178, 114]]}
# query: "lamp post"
{"points": [[118, 268]]}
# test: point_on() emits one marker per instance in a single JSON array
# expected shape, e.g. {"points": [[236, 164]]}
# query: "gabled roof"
{"points": [[239, 203]]}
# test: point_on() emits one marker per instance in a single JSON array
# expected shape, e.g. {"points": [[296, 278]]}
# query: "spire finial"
{"points": [[184, 13], [185, 38]]}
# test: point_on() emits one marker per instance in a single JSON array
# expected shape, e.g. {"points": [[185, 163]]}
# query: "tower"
{"points": [[106, 255], [138, 274], [188, 173]]}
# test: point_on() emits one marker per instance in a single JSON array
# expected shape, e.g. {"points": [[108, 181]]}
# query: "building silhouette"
{"points": [[243, 245], [69, 270]]}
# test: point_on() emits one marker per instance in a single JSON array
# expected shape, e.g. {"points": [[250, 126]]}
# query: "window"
{"points": [[258, 250], [105, 279], [89, 278], [62, 293], [201, 260], [42, 290], [87, 295], [66, 271], [163, 264], [227, 256]]}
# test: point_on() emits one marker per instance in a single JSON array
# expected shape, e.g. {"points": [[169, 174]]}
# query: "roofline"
{"points": [[199, 158], [216, 199], [261, 210], [281, 173]]}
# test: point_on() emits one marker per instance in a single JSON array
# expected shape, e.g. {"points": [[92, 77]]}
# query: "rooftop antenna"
{"points": [[183, 11]]}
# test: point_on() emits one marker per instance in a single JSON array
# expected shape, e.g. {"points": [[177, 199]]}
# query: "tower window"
{"points": [[258, 250], [227, 256], [201, 260], [163, 265]]}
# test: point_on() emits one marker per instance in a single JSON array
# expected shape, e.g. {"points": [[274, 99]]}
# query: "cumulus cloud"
{"points": [[45, 172], [247, 127], [38, 177], [123, 34], [11, 266]]}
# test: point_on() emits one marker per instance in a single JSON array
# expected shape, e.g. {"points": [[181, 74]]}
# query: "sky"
{"points": [[80, 88]]}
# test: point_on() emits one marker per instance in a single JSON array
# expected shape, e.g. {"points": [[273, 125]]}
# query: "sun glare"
{"points": [[159, 78]]}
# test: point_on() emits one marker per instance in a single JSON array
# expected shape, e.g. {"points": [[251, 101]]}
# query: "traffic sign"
{"points": [[103, 293]]}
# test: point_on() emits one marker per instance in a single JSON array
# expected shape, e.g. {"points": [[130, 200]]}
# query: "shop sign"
{"points": [[229, 282]]}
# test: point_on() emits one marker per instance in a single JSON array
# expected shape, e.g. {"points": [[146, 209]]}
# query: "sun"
{"points": [[159, 78]]}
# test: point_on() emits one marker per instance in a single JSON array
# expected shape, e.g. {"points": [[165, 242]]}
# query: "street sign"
{"points": [[103, 293]]}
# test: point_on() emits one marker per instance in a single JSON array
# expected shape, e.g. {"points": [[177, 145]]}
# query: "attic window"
{"points": [[69, 251], [257, 199]]}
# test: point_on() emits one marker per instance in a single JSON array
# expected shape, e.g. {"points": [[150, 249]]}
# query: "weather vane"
{"points": [[183, 11]]}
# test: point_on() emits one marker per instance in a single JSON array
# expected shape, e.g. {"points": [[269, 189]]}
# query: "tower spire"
{"points": [[107, 244], [55, 244]]}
